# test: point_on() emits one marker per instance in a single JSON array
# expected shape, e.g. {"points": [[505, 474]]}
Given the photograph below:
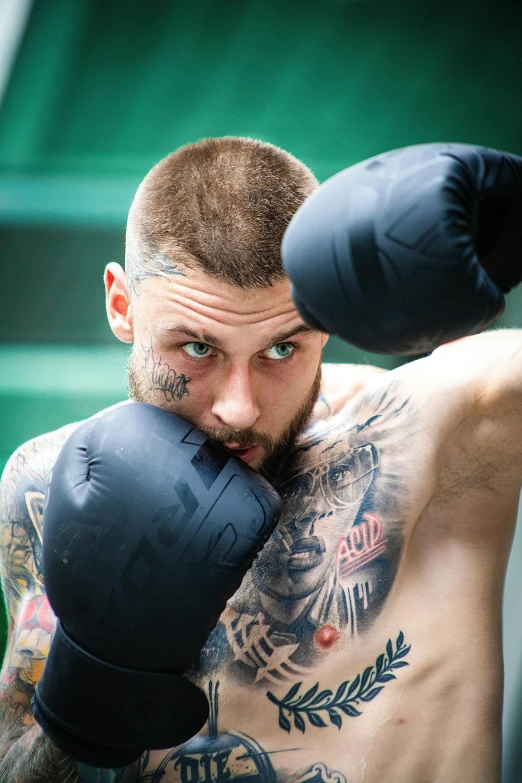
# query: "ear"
{"points": [[117, 303], [326, 337]]}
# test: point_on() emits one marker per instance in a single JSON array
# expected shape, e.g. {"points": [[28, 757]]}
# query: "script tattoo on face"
{"points": [[160, 377], [325, 573]]}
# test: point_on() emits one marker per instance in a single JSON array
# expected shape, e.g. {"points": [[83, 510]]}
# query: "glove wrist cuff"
{"points": [[110, 709]]}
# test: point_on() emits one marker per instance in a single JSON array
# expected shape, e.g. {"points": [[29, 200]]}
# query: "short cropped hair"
{"points": [[221, 205]]}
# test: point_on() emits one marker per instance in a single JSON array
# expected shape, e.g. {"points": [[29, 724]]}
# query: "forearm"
{"points": [[33, 758]]}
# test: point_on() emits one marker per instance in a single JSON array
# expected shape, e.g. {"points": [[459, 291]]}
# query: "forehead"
{"points": [[203, 301]]}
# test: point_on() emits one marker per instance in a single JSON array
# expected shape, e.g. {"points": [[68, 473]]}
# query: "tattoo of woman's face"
{"points": [[324, 498]]}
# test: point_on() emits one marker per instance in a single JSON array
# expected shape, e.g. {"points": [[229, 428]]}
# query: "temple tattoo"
{"points": [[159, 265], [162, 378], [319, 705]]}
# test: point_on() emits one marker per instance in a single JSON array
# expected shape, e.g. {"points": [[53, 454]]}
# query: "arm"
{"points": [[472, 392], [26, 754]]}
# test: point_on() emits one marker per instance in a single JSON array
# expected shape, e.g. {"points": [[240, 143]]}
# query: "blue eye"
{"points": [[197, 350], [280, 351]]}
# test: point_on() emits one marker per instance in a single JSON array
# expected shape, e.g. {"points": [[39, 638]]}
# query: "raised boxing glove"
{"points": [[410, 249], [149, 528]]}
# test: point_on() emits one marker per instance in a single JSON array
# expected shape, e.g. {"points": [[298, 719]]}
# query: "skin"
{"points": [[251, 366], [380, 591]]}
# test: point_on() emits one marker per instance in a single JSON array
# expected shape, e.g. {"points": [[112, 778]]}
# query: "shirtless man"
{"points": [[365, 642]]}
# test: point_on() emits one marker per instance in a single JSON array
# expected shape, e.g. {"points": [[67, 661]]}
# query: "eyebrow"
{"points": [[205, 337]]}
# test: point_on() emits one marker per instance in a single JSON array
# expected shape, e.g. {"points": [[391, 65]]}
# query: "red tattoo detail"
{"points": [[37, 614], [327, 637], [362, 545]]}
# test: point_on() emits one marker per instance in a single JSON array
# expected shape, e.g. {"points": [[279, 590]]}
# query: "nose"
{"points": [[234, 401], [305, 524]]}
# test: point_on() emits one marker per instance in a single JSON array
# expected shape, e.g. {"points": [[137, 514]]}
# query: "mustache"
{"points": [[242, 439]]}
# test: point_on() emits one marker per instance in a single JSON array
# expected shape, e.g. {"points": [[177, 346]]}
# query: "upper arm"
{"points": [[22, 493], [31, 623], [476, 395]]}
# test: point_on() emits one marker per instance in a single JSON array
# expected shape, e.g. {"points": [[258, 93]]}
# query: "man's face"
{"points": [[239, 364]]}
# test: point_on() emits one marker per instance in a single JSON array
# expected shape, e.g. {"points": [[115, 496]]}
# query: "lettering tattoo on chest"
{"points": [[221, 756], [323, 577], [161, 377]]}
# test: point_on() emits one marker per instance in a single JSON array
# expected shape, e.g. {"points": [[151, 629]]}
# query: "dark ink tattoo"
{"points": [[216, 757], [162, 378], [348, 696], [319, 773], [323, 576], [228, 756], [158, 265]]}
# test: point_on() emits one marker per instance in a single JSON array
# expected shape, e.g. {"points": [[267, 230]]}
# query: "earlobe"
{"points": [[118, 304], [325, 337]]}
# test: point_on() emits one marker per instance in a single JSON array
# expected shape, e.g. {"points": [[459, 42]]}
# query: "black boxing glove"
{"points": [[410, 249], [148, 529]]}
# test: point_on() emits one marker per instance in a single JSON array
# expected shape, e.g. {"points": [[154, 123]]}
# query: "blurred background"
{"points": [[94, 92]]}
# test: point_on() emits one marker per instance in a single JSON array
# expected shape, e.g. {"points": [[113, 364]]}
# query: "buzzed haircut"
{"points": [[221, 205]]}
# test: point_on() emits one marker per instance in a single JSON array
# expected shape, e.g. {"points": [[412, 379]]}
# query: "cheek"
{"points": [[196, 401], [287, 389]]}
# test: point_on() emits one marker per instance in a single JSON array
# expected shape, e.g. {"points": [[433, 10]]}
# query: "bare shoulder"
{"points": [[341, 383]]}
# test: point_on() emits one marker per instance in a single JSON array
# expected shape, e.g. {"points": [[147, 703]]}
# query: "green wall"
{"points": [[101, 90]]}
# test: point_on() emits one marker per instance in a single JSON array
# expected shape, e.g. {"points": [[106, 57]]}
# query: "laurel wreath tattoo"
{"points": [[348, 696]]}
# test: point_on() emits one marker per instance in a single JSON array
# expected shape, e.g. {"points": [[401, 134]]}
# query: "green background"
{"points": [[102, 89]]}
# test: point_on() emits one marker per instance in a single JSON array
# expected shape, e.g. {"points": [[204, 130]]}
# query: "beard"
{"points": [[275, 449]]}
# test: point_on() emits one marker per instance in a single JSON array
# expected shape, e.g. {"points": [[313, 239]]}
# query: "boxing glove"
{"points": [[149, 528], [410, 249]]}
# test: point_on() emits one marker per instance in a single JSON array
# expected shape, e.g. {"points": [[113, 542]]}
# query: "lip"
{"points": [[306, 553], [246, 454]]}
